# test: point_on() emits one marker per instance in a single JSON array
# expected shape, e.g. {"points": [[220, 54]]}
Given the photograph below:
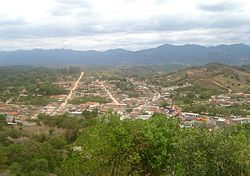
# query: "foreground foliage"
{"points": [[108, 146], [158, 147]]}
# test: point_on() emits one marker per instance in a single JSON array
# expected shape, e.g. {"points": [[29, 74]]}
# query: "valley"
{"points": [[61, 107]]}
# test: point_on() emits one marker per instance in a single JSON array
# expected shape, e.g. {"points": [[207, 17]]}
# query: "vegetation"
{"points": [[2, 121], [17, 76], [235, 78], [158, 147], [97, 99], [32, 85], [102, 144], [90, 114], [201, 90], [238, 110], [108, 146]]}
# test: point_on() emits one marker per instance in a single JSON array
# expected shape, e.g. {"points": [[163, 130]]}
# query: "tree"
{"points": [[51, 131], [114, 147], [2, 121], [158, 147], [164, 104], [201, 152], [108, 146], [71, 135], [90, 114], [58, 142], [3, 158]]}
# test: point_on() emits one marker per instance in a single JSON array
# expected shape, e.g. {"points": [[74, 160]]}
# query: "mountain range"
{"points": [[235, 54]]}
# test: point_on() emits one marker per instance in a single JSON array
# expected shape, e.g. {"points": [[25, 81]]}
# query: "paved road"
{"points": [[64, 104], [110, 95]]}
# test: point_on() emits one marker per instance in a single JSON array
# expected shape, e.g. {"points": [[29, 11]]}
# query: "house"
{"points": [[92, 104], [76, 113], [241, 120], [137, 110], [221, 122], [152, 108], [104, 109], [134, 114], [10, 120], [190, 114], [13, 113]]}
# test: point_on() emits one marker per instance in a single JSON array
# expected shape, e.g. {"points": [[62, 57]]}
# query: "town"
{"points": [[130, 97], [125, 88]]}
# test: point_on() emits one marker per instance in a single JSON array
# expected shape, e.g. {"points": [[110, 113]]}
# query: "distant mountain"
{"points": [[236, 54]]}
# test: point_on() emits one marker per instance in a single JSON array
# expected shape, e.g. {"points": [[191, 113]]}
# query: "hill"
{"points": [[236, 54], [217, 77], [232, 79]]}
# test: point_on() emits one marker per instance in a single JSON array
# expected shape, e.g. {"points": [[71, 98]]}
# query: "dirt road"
{"points": [[156, 97], [224, 87], [74, 87], [110, 95]]}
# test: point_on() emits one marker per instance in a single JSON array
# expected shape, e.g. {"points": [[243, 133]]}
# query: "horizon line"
{"points": [[119, 48]]}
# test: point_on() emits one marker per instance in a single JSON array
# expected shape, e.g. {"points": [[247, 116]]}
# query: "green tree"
{"points": [[158, 147], [2, 121]]}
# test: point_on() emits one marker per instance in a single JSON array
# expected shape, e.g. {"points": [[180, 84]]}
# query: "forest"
{"points": [[34, 83]]}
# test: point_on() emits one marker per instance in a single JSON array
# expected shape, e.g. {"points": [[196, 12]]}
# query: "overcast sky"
{"points": [[128, 24]]}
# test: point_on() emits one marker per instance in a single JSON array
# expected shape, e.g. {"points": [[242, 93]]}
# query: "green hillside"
{"points": [[218, 77]]}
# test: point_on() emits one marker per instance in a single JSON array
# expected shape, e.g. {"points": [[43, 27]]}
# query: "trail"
{"points": [[64, 104], [218, 84]]}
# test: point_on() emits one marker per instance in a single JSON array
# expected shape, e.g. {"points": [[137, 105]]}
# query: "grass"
{"points": [[235, 84]]}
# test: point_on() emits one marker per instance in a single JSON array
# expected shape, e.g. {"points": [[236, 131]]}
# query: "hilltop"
{"points": [[217, 76], [210, 79]]}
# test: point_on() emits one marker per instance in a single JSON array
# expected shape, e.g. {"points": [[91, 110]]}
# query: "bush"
{"points": [[158, 147]]}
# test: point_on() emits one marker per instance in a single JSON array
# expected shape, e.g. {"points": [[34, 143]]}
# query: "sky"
{"points": [[128, 24]]}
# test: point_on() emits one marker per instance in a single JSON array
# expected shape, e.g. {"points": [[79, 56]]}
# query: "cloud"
{"points": [[11, 22], [130, 24], [219, 7]]}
